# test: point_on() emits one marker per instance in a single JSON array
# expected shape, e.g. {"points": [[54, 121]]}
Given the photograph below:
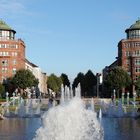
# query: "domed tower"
{"points": [[6, 33], [12, 52], [134, 31], [129, 52]]}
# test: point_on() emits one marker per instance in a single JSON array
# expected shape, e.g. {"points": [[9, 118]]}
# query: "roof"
{"points": [[134, 26], [30, 63], [4, 26]]}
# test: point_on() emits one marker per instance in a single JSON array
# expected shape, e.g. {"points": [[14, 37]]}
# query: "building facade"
{"points": [[12, 57], [12, 52], [37, 72], [105, 91], [129, 54]]}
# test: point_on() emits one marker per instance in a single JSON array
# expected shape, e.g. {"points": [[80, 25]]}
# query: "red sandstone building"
{"points": [[129, 53], [12, 57], [12, 52]]}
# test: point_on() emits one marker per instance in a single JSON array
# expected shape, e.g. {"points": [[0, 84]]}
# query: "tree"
{"points": [[90, 81], [77, 80], [24, 78], [87, 81], [65, 80], [118, 79], [9, 86], [137, 84], [54, 83], [1, 90]]}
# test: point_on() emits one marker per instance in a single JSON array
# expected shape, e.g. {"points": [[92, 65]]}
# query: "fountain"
{"points": [[70, 121], [120, 108], [100, 113], [29, 108], [23, 107]]}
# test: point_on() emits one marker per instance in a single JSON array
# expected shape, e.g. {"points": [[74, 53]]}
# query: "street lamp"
{"points": [[98, 82]]}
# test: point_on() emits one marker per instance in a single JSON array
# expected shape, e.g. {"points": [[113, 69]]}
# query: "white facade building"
{"points": [[42, 77]]}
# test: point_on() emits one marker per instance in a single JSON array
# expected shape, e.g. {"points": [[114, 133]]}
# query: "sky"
{"points": [[70, 36]]}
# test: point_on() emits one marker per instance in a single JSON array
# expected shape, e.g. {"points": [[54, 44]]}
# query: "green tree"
{"points": [[137, 84], [54, 83], [87, 81], [2, 89], [90, 82], [118, 79], [79, 79], [65, 80], [9, 86], [24, 78]]}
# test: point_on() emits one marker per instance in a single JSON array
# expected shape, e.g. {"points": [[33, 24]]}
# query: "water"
{"points": [[70, 120], [25, 108], [19, 128], [25, 128], [121, 128]]}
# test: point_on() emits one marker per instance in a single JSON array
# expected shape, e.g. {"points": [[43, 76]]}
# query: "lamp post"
{"points": [[7, 97], [98, 82], [128, 98], [134, 98], [114, 96]]}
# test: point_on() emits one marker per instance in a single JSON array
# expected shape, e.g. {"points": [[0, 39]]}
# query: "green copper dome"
{"points": [[136, 25], [4, 26], [134, 31]]}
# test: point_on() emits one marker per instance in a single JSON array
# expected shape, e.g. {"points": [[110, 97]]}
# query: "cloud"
{"points": [[12, 7], [120, 15]]}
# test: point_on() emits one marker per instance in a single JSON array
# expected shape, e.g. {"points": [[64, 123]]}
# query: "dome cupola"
{"points": [[6, 32], [134, 31]]}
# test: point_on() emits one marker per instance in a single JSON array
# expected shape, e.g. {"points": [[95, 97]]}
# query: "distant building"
{"points": [[42, 77], [129, 53], [12, 57], [12, 52], [105, 91]]}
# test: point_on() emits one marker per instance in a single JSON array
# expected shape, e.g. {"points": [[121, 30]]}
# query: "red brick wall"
{"points": [[19, 57]]}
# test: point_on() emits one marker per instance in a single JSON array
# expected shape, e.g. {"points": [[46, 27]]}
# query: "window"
{"points": [[14, 62], [136, 53], [134, 34], [137, 61], [127, 62], [16, 46], [4, 62], [136, 77], [137, 69], [4, 53], [2, 45], [4, 70], [127, 53], [14, 53], [7, 45], [14, 71]]}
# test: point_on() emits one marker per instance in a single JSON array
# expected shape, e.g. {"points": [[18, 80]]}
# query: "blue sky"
{"points": [[70, 36]]}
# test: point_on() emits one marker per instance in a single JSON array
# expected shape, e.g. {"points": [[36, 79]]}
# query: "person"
{"points": [[112, 98]]}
